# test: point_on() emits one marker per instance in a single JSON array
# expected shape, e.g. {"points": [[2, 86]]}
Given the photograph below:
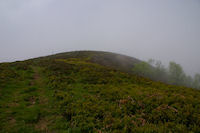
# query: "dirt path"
{"points": [[27, 104], [43, 100]]}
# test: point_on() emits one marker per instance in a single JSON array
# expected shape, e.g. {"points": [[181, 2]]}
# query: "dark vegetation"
{"points": [[59, 94]]}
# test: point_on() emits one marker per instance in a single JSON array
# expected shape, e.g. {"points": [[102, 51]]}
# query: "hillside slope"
{"points": [[54, 94]]}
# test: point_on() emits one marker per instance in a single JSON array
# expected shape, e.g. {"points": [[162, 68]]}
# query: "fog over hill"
{"points": [[162, 30]]}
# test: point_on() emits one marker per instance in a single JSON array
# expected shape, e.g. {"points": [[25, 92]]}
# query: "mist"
{"points": [[162, 30]]}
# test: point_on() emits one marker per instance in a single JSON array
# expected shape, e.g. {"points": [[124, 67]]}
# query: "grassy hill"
{"points": [[82, 92]]}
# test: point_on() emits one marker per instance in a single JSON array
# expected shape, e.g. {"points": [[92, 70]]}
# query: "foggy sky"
{"points": [[166, 30]]}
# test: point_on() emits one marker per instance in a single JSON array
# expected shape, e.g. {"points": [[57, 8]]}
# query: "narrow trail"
{"points": [[27, 104], [45, 102], [42, 99], [37, 77]]}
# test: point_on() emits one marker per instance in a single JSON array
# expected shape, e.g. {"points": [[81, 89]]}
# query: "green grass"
{"points": [[76, 95]]}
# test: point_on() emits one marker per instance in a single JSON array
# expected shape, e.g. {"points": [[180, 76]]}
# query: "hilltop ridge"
{"points": [[117, 61]]}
